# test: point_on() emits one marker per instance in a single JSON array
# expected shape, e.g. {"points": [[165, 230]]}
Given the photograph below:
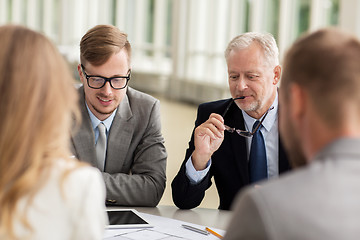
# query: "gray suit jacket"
{"points": [[320, 201], [135, 162]]}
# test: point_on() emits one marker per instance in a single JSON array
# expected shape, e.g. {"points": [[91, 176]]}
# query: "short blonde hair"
{"points": [[38, 103], [101, 42]]}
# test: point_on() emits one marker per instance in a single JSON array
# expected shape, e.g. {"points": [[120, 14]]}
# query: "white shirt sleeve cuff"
{"points": [[196, 176]]}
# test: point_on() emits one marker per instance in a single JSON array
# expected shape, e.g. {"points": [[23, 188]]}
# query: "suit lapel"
{"points": [[238, 143], [84, 138], [284, 164], [120, 136], [234, 118], [240, 150]]}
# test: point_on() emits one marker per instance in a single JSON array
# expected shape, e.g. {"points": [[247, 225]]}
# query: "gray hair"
{"points": [[265, 40]]}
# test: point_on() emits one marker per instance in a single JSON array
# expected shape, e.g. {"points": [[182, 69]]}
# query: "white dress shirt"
{"points": [[95, 122], [270, 132]]}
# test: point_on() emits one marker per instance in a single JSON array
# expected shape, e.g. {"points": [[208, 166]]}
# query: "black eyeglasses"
{"points": [[242, 132], [98, 82]]}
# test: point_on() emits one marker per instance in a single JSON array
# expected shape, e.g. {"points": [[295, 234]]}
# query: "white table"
{"points": [[201, 216]]}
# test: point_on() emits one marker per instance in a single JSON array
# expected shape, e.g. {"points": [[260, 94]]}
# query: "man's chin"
{"points": [[105, 111], [247, 107]]}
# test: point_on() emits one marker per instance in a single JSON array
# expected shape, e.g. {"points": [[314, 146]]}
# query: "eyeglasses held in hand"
{"points": [[242, 132], [98, 82]]}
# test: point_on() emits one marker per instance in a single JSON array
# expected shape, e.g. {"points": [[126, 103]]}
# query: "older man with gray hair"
{"points": [[236, 140], [320, 123]]}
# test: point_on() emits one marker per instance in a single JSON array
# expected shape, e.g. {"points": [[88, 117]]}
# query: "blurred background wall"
{"points": [[178, 45]]}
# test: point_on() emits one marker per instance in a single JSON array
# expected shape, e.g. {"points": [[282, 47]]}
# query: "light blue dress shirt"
{"points": [[270, 131], [95, 122]]}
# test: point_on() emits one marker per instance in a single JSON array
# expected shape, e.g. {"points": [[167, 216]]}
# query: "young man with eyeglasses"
{"points": [[120, 131], [236, 140]]}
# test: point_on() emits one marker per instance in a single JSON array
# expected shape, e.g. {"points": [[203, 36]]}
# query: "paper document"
{"points": [[164, 229]]}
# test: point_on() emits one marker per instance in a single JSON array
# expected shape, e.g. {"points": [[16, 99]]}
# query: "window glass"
{"points": [[332, 11], [209, 26], [150, 21], [169, 27], [9, 13], [247, 16], [303, 17], [271, 19]]}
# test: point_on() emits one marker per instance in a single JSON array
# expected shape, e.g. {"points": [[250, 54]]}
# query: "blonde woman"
{"points": [[44, 194]]}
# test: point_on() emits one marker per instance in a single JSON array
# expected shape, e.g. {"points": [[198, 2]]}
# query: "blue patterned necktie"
{"points": [[257, 158]]}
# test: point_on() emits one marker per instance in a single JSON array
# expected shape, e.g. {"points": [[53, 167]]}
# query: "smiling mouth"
{"points": [[104, 100]]}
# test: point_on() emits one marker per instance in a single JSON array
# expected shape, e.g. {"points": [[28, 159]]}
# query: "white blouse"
{"points": [[74, 209]]}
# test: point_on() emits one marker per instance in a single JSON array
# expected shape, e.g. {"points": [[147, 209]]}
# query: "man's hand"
{"points": [[208, 138]]}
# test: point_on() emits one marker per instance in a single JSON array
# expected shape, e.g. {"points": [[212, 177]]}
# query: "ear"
{"points": [[80, 73], [277, 74]]}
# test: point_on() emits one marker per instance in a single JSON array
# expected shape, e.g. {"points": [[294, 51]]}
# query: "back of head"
{"points": [[101, 42], [265, 40], [326, 64], [37, 106]]}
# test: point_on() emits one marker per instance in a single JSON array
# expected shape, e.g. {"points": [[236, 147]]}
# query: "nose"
{"points": [[241, 84], [106, 89]]}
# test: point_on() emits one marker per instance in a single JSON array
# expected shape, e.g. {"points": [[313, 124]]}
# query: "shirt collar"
{"points": [[95, 121], [268, 121]]}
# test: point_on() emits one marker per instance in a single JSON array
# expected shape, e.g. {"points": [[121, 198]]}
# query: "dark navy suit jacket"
{"points": [[229, 163]]}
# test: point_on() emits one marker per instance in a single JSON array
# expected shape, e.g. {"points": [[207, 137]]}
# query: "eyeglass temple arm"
{"points": [[262, 119], [228, 106]]}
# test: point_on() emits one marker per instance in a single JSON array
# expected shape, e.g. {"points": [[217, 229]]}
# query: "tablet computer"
{"points": [[126, 218]]}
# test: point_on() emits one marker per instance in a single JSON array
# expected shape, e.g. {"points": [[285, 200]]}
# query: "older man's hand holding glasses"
{"points": [[209, 136]]}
